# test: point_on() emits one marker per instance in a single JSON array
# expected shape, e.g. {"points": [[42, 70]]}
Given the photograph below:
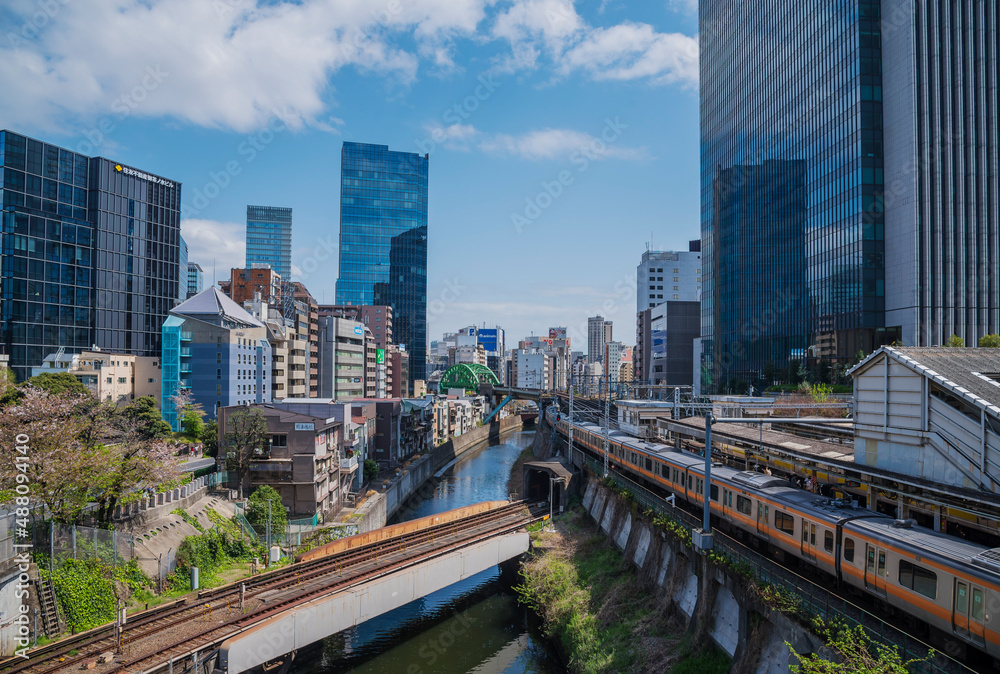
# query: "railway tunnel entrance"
{"points": [[543, 480]]}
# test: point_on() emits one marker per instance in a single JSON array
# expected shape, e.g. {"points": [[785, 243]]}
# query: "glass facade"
{"points": [[383, 240], [195, 279], [269, 238], [182, 272], [90, 253], [791, 184]]}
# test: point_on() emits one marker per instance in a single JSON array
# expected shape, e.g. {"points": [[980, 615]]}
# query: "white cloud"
{"points": [[635, 51], [214, 244], [683, 6], [627, 51], [557, 144], [454, 136], [236, 64], [225, 63]]}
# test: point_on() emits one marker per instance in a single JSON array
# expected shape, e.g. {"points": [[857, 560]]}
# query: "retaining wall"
{"points": [[712, 600], [378, 509]]}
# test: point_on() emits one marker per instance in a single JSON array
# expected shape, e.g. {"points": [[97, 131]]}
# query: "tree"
{"points": [[257, 510], [210, 438], [955, 342], [371, 469], [58, 383], [246, 436], [856, 652], [769, 373], [192, 425], [189, 413], [144, 416], [989, 342], [792, 376], [50, 452]]}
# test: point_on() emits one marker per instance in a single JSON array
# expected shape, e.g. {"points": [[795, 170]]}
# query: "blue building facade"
{"points": [[269, 238], [195, 279], [218, 352], [90, 253], [182, 272], [383, 240], [791, 184], [494, 343], [849, 179]]}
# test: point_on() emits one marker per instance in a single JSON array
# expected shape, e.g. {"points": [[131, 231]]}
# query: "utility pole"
{"points": [[269, 530], [607, 409], [569, 422], [703, 539]]}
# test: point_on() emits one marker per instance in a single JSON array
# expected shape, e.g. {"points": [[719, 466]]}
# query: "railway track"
{"points": [[201, 621]]}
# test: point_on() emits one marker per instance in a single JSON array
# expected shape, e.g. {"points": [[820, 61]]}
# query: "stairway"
{"points": [[50, 610]]}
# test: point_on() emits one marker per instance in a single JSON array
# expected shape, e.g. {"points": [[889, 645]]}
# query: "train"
{"points": [[946, 583]]}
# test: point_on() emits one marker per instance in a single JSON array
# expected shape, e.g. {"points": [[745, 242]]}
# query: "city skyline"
{"points": [[505, 99]]}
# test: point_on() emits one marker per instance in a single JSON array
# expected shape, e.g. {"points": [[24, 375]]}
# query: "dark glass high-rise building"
{"points": [[269, 239], [848, 179], [90, 253], [383, 240]]}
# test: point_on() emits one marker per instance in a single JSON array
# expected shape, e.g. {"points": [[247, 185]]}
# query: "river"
{"points": [[473, 626]]}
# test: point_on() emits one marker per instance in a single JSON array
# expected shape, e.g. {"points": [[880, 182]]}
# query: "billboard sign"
{"points": [[380, 356]]}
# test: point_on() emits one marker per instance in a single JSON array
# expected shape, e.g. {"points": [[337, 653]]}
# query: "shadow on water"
{"points": [[472, 626]]}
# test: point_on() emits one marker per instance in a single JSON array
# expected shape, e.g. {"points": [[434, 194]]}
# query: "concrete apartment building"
{"points": [[117, 377], [343, 359], [301, 460]]}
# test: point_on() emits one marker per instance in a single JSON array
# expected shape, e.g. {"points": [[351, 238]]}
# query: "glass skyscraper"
{"points": [[90, 253], [269, 239], [831, 222], [383, 240]]}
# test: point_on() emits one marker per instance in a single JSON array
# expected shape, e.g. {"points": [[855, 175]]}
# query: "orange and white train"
{"points": [[947, 583]]}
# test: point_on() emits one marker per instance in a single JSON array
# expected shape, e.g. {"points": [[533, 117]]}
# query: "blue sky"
{"points": [[562, 136]]}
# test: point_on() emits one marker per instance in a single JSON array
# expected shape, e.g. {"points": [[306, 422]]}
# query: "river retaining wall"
{"points": [[713, 601], [405, 489]]}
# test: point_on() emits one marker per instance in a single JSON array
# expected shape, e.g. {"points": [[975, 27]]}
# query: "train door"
{"points": [[968, 616], [762, 519], [808, 541], [875, 568]]}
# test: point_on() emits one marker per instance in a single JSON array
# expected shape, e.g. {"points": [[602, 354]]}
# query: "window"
{"points": [[848, 549], [151, 380], [784, 522], [743, 504], [121, 380], [279, 440], [715, 492], [828, 541], [919, 579], [676, 270]]}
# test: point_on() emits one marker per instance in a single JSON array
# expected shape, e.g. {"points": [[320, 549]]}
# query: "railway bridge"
{"points": [[262, 621]]}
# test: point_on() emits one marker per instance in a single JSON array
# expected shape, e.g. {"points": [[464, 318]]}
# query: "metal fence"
{"points": [[815, 599], [296, 531]]}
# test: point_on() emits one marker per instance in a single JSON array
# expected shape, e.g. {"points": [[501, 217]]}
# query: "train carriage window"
{"points": [[922, 581], [715, 492], [962, 598], [871, 559], [635, 460], [690, 481], [828, 541], [805, 531], [881, 563], [649, 464], [848, 549], [784, 522], [743, 504], [977, 603]]}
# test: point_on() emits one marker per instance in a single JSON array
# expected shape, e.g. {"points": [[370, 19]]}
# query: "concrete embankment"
{"points": [[379, 508]]}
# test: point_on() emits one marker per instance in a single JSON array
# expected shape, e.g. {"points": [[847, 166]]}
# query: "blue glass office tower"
{"points": [[90, 253], [849, 179], [383, 240], [269, 239]]}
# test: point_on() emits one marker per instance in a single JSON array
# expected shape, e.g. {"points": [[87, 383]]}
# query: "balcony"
{"points": [[186, 336], [185, 383], [185, 352], [349, 465], [185, 368]]}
